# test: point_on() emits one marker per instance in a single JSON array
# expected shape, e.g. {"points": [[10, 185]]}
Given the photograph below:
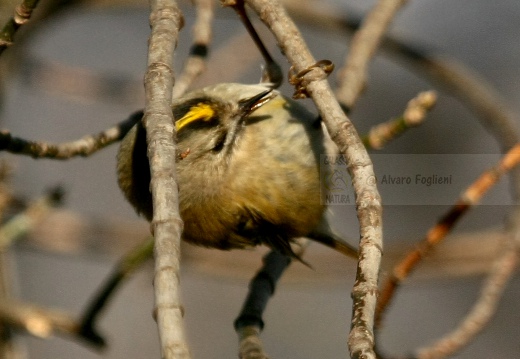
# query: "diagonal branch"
{"points": [[482, 310], [21, 16], [437, 233], [368, 200], [166, 21]]}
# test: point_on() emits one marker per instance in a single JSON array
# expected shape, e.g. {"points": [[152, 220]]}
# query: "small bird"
{"points": [[248, 169]]}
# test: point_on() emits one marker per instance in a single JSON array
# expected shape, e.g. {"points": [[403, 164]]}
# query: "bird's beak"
{"points": [[250, 104], [246, 107]]}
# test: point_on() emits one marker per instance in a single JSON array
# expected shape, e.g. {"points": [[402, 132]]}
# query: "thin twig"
{"points": [[126, 266], [436, 234], [490, 108], [413, 116], [8, 347], [21, 16], [352, 78], [472, 90], [196, 61], [166, 21], [250, 346], [249, 322], [22, 223], [482, 311], [39, 322], [272, 72], [368, 200], [83, 147], [481, 99], [15, 228], [490, 294]]}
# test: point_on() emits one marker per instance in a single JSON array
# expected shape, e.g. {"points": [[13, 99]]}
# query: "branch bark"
{"points": [[166, 21], [368, 200], [84, 147], [437, 233], [21, 16]]}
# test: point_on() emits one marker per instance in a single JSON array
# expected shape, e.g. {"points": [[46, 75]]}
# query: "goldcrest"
{"points": [[247, 169]]}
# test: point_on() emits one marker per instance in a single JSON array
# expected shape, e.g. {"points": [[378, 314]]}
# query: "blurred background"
{"points": [[47, 94]]}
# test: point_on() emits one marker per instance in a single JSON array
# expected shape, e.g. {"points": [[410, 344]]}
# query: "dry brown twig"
{"points": [[368, 201], [413, 116], [437, 233], [352, 78], [166, 21], [490, 108], [21, 16], [482, 99]]}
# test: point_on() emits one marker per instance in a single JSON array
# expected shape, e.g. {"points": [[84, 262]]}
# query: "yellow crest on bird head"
{"points": [[199, 112]]}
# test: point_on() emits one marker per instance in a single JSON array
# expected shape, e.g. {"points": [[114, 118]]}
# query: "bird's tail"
{"points": [[325, 235]]}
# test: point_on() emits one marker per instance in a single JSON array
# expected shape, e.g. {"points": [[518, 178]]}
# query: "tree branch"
{"points": [[413, 116], [62, 151], [482, 311], [342, 131], [196, 61], [366, 40], [21, 16], [166, 21], [437, 233]]}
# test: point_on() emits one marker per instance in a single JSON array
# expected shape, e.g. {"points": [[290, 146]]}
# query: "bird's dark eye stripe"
{"points": [[180, 110], [219, 143]]}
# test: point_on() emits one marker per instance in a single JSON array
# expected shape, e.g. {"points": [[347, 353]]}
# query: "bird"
{"points": [[248, 169]]}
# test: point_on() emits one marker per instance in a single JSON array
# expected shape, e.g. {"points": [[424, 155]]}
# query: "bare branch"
{"points": [[36, 321], [250, 345], [471, 89], [196, 61], [166, 21], [125, 267], [8, 347], [368, 201], [482, 311], [249, 322], [21, 16], [437, 233], [366, 40], [22, 223], [83, 147], [481, 98], [272, 72], [413, 116]]}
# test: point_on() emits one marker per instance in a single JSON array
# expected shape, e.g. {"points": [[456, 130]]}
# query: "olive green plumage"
{"points": [[247, 169]]}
